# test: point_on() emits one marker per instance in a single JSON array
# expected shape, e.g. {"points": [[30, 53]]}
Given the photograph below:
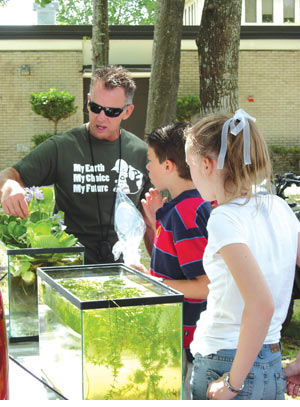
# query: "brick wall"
{"points": [[60, 70], [189, 74], [272, 78]]}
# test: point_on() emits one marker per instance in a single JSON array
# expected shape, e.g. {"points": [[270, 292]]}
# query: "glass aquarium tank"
{"points": [[109, 332], [19, 284]]}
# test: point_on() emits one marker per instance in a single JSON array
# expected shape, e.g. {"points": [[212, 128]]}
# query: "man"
{"points": [[84, 164]]}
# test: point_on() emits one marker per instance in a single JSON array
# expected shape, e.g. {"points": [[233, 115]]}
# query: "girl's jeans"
{"points": [[266, 380]]}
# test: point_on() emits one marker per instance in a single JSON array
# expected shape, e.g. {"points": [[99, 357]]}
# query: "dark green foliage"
{"points": [[187, 107], [285, 150], [53, 105], [42, 3], [120, 12], [285, 159], [95, 290], [39, 138]]}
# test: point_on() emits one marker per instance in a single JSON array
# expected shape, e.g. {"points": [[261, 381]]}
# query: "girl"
{"points": [[253, 246]]}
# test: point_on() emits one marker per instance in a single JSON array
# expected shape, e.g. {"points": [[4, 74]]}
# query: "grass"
{"points": [[291, 337]]}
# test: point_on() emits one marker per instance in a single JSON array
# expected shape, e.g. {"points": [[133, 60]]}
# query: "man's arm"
{"points": [[12, 193]]}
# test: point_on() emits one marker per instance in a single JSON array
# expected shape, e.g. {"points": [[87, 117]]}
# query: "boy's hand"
{"points": [[152, 202], [140, 268]]}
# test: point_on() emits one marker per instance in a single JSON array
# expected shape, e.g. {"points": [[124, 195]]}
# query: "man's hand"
{"points": [[292, 372], [13, 199]]}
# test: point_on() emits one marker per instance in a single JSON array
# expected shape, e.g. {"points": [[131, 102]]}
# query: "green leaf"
{"points": [[41, 228], [4, 218], [45, 241], [67, 240], [18, 268], [48, 195], [3, 230], [11, 227], [29, 277], [20, 230], [36, 216]]}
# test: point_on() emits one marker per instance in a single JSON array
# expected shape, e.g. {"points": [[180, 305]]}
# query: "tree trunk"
{"points": [[164, 79], [218, 49], [100, 40]]}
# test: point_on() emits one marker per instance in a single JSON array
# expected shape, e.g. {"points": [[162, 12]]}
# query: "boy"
{"points": [[180, 228]]}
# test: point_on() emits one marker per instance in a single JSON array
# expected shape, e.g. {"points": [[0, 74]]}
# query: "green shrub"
{"points": [[187, 107], [285, 159], [39, 138], [53, 105]]}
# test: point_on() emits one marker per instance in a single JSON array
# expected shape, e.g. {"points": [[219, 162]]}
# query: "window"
{"points": [[288, 11], [267, 11], [250, 11], [192, 14]]}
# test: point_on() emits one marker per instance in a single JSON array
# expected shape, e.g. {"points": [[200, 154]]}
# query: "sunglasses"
{"points": [[109, 111]]}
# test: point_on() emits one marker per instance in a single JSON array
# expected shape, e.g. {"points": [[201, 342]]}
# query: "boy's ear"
{"points": [[170, 166]]}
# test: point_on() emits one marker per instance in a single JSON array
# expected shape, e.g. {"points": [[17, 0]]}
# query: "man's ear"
{"points": [[88, 99], [128, 112]]}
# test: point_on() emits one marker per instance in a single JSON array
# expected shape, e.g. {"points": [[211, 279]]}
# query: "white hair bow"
{"points": [[243, 124]]}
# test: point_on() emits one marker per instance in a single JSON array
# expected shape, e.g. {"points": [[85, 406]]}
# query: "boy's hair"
{"points": [[205, 140], [168, 143], [115, 77]]}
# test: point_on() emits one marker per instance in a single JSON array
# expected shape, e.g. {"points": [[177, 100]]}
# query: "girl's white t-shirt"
{"points": [[268, 226]]}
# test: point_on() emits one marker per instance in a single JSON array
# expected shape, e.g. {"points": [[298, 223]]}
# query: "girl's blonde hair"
{"points": [[239, 179]]}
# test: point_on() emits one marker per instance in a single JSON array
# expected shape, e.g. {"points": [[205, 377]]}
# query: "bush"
{"points": [[285, 159], [53, 105], [187, 107], [39, 138]]}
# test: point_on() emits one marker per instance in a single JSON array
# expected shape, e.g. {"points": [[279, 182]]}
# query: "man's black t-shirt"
{"points": [[79, 176]]}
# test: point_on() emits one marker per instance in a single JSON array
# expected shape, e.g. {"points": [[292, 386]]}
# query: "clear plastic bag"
{"points": [[130, 228]]}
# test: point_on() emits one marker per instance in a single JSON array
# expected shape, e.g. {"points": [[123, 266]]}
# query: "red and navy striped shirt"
{"points": [[179, 244]]}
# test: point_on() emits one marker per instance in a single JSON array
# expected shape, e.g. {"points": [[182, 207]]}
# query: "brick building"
{"points": [[37, 58]]}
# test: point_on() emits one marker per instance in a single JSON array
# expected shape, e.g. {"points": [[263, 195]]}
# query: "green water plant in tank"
{"points": [[146, 337], [25, 245]]}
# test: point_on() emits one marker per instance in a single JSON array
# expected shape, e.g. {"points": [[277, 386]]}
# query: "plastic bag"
{"points": [[130, 228]]}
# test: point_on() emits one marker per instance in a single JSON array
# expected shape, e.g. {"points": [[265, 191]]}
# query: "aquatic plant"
{"points": [[40, 230], [143, 340]]}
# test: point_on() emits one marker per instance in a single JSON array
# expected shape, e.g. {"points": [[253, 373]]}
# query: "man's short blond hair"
{"points": [[115, 77]]}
